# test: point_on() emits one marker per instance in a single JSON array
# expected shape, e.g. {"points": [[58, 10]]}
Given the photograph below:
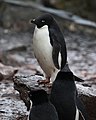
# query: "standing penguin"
{"points": [[49, 45], [65, 98], [41, 109]]}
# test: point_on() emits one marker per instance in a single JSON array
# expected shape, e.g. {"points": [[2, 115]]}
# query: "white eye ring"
{"points": [[33, 20], [42, 21]]}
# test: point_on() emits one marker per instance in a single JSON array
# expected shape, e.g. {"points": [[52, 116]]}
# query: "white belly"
{"points": [[43, 50]]}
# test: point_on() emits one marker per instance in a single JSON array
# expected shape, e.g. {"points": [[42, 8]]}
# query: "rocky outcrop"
{"points": [[87, 93]]}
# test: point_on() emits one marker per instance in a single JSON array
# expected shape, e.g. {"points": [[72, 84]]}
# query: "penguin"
{"points": [[64, 97], [49, 45], [42, 108]]}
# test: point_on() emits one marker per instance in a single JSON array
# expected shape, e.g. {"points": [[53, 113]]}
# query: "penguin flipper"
{"points": [[78, 79], [63, 56], [55, 54], [58, 43]]}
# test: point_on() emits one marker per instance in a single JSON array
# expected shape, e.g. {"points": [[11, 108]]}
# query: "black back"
{"points": [[64, 96], [41, 109], [38, 97]]}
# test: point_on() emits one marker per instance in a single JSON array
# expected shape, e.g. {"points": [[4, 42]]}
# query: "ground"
{"points": [[16, 53]]}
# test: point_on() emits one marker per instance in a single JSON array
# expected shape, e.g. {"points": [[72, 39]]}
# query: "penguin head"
{"points": [[64, 76], [65, 73], [45, 19], [38, 97]]}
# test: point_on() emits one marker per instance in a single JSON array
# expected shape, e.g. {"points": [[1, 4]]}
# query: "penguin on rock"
{"points": [[42, 109], [64, 97], [49, 45]]}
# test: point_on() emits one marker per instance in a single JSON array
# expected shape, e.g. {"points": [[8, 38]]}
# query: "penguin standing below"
{"points": [[41, 109], [65, 98], [49, 45]]}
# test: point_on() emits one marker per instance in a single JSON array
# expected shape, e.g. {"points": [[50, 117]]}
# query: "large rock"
{"points": [[87, 93], [88, 96]]}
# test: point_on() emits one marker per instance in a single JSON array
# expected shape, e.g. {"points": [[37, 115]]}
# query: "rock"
{"points": [[1, 77], [24, 83], [49, 3], [87, 94], [92, 5], [11, 107], [16, 59], [16, 17], [7, 72]]}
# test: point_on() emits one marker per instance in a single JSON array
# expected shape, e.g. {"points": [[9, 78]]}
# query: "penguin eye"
{"points": [[43, 21]]}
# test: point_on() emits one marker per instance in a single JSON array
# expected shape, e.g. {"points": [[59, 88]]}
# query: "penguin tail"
{"points": [[78, 79]]}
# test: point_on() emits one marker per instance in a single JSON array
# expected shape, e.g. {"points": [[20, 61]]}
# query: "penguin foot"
{"points": [[43, 81], [46, 83], [49, 85]]}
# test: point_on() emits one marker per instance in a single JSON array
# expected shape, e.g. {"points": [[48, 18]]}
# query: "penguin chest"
{"points": [[43, 49]]}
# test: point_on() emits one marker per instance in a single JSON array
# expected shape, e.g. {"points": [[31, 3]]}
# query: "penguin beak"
{"points": [[32, 21]]}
